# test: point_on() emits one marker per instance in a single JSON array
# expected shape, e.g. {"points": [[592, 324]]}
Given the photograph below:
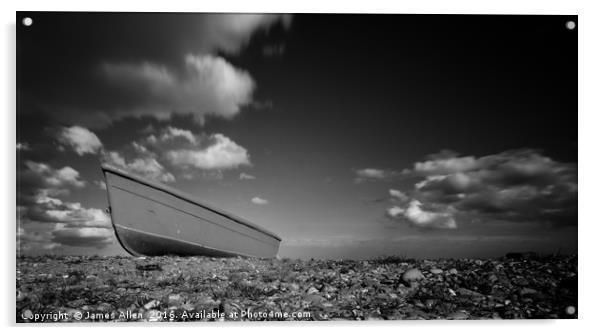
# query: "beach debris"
{"points": [[160, 288]]}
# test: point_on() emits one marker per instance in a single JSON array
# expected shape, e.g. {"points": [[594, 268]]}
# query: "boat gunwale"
{"points": [[186, 197]]}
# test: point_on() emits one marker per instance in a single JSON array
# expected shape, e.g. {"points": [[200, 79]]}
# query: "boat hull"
{"points": [[152, 219]]}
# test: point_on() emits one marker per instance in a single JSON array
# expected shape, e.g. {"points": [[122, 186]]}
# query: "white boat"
{"points": [[154, 219]]}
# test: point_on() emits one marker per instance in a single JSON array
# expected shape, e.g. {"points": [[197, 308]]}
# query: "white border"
{"points": [[590, 301]]}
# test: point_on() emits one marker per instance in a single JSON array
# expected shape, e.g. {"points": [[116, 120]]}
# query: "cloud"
{"points": [[398, 195], [147, 166], [231, 32], [421, 218], [39, 175], [259, 201], [24, 146], [181, 151], [82, 237], [210, 85], [221, 153], [172, 133], [59, 222], [418, 217], [178, 66], [446, 165], [245, 176], [80, 139], [374, 174], [45, 208], [395, 211], [34, 240], [142, 150], [516, 185]]}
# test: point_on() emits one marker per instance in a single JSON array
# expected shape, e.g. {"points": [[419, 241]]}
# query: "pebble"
{"points": [[174, 298], [412, 275], [527, 291], [20, 295], [469, 293], [152, 304], [436, 271], [343, 289], [312, 290]]}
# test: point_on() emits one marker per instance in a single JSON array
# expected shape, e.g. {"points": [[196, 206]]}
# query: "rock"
{"points": [[314, 299], [77, 303], [429, 303], [412, 275], [21, 295], [342, 289], [527, 291], [174, 298], [436, 271], [521, 281], [468, 293], [152, 304], [105, 307], [312, 290]]}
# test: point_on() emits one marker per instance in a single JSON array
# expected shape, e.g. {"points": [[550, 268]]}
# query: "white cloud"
{"points": [[516, 185], [207, 84], [259, 201], [56, 222], [395, 211], [231, 32], [171, 133], [147, 167], [210, 86], [82, 237], [422, 218], [139, 148], [398, 195], [223, 153], [23, 146], [446, 165], [245, 176], [27, 240], [80, 139], [45, 208], [373, 174], [46, 176]]}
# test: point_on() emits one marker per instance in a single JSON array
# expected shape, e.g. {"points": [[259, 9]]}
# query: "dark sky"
{"points": [[348, 135]]}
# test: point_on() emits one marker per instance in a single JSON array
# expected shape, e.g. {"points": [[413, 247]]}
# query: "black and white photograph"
{"points": [[228, 167]]}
